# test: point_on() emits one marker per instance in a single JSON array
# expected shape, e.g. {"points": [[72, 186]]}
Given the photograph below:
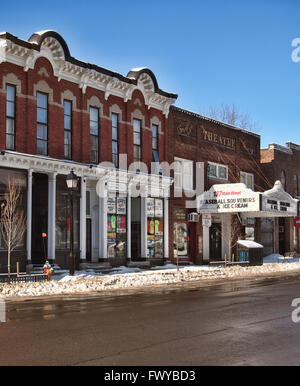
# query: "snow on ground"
{"points": [[276, 258], [124, 277]]}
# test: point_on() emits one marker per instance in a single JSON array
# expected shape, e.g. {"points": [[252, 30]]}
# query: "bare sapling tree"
{"points": [[230, 114], [13, 219]]}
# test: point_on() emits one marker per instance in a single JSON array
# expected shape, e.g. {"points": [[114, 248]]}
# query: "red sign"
{"points": [[297, 222]]}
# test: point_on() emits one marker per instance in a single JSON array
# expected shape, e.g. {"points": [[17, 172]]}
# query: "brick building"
{"points": [[206, 152], [59, 114], [281, 163]]}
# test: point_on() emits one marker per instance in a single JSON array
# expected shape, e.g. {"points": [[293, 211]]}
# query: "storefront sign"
{"points": [[180, 214], [226, 198], [272, 205], [206, 220], [277, 202]]}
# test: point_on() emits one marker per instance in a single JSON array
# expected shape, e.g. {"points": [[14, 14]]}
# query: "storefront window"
{"points": [[116, 226], [155, 226]]}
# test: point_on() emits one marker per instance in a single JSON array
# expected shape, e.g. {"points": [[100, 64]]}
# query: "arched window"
{"points": [[296, 192], [283, 179]]}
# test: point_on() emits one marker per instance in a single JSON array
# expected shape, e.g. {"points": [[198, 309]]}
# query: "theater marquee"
{"points": [[234, 198], [226, 198]]}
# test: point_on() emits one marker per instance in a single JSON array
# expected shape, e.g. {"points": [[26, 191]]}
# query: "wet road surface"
{"points": [[237, 323]]}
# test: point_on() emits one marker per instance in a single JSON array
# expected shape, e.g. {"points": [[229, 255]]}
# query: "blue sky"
{"points": [[209, 52]]}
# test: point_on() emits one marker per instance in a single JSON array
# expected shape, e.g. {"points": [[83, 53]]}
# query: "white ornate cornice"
{"points": [[118, 180], [51, 47]]}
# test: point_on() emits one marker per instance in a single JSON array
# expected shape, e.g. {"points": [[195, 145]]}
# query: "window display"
{"points": [[155, 226], [116, 226], [180, 239]]}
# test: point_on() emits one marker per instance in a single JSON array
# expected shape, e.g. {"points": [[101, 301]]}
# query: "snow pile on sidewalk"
{"points": [[84, 282]]}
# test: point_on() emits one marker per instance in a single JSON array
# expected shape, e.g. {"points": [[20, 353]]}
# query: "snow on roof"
{"points": [[249, 244]]}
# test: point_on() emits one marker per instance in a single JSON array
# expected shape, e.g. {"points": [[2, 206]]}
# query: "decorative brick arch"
{"points": [[67, 94], [13, 80], [43, 86]]}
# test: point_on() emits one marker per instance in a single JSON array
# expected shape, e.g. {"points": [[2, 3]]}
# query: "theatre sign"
{"points": [[226, 198]]}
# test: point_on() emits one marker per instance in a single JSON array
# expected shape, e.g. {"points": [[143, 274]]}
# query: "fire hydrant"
{"points": [[47, 269]]}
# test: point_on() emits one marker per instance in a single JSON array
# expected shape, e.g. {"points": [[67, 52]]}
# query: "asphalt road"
{"points": [[237, 323]]}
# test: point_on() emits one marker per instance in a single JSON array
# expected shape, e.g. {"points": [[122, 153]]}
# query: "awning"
{"points": [[237, 198]]}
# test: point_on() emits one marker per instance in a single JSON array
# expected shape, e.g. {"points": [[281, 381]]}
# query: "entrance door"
{"points": [[135, 228], [39, 217], [215, 242], [282, 236], [88, 239]]}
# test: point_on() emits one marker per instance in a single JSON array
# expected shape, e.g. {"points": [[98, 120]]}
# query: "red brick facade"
{"points": [[200, 139], [282, 163], [43, 65], [41, 78]]}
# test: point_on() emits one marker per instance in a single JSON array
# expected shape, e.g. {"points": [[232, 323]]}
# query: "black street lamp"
{"points": [[72, 182]]}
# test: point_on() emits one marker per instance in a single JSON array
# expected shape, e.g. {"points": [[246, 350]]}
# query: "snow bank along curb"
{"points": [[85, 282]]}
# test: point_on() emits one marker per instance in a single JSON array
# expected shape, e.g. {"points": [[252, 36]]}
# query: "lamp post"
{"points": [[72, 182]]}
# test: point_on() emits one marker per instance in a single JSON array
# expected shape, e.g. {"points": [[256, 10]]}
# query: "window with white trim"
{"points": [[115, 139], [155, 154], [10, 116], [137, 140], [42, 123], [94, 135], [68, 129], [247, 179], [183, 174], [217, 171]]}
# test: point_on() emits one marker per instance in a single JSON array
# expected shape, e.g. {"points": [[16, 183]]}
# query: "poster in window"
{"points": [[111, 244], [158, 208], [150, 207], [180, 239], [121, 224], [150, 227], [121, 245], [111, 223], [121, 205], [150, 252], [111, 205], [158, 248], [150, 241], [158, 227]]}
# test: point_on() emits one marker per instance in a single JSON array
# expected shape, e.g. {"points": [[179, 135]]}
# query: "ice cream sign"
{"points": [[224, 198]]}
